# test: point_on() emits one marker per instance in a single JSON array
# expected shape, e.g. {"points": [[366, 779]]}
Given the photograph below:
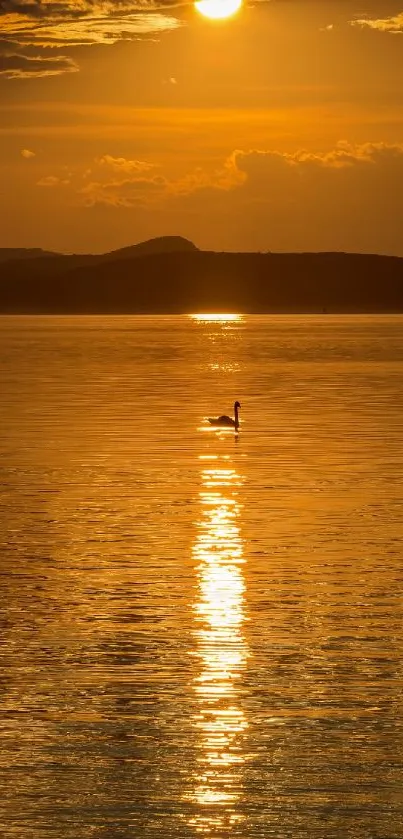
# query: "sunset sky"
{"points": [[280, 128]]}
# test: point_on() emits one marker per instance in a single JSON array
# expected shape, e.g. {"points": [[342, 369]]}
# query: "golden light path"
{"points": [[221, 648], [215, 317], [218, 9]]}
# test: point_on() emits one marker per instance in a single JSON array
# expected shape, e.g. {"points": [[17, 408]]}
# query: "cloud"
{"points": [[27, 154], [18, 66], [390, 24], [267, 175], [121, 164], [53, 181], [44, 8], [139, 184], [349, 197], [124, 193], [343, 156], [121, 182], [73, 23], [350, 194]]}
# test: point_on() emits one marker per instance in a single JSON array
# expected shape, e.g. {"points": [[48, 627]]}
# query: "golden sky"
{"points": [[280, 128]]}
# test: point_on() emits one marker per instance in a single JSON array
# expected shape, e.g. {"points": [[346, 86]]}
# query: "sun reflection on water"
{"points": [[216, 317], [221, 649]]}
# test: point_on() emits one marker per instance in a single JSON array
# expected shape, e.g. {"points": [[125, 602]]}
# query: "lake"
{"points": [[201, 632]]}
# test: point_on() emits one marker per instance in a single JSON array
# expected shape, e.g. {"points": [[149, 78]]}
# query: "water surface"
{"points": [[201, 633]]}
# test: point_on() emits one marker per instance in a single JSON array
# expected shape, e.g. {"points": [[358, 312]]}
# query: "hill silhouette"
{"points": [[163, 244], [170, 275], [7, 254]]}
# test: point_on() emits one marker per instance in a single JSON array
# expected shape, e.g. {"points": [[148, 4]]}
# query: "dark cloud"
{"points": [[71, 23], [80, 8], [17, 66], [35, 8]]}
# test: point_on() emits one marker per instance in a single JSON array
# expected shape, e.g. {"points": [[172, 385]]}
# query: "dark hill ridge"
{"points": [[7, 254], [40, 267], [161, 244], [192, 280]]}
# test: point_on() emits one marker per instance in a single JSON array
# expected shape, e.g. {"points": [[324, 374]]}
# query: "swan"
{"points": [[227, 422]]}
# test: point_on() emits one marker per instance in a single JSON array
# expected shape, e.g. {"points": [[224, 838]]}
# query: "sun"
{"points": [[218, 9]]}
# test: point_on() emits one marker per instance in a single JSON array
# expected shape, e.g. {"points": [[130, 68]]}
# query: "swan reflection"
{"points": [[221, 649]]}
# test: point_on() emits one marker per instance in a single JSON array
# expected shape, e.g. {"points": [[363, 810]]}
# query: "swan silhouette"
{"points": [[227, 422]]}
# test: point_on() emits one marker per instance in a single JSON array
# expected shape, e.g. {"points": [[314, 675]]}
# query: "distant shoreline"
{"points": [[171, 276], [279, 314]]}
